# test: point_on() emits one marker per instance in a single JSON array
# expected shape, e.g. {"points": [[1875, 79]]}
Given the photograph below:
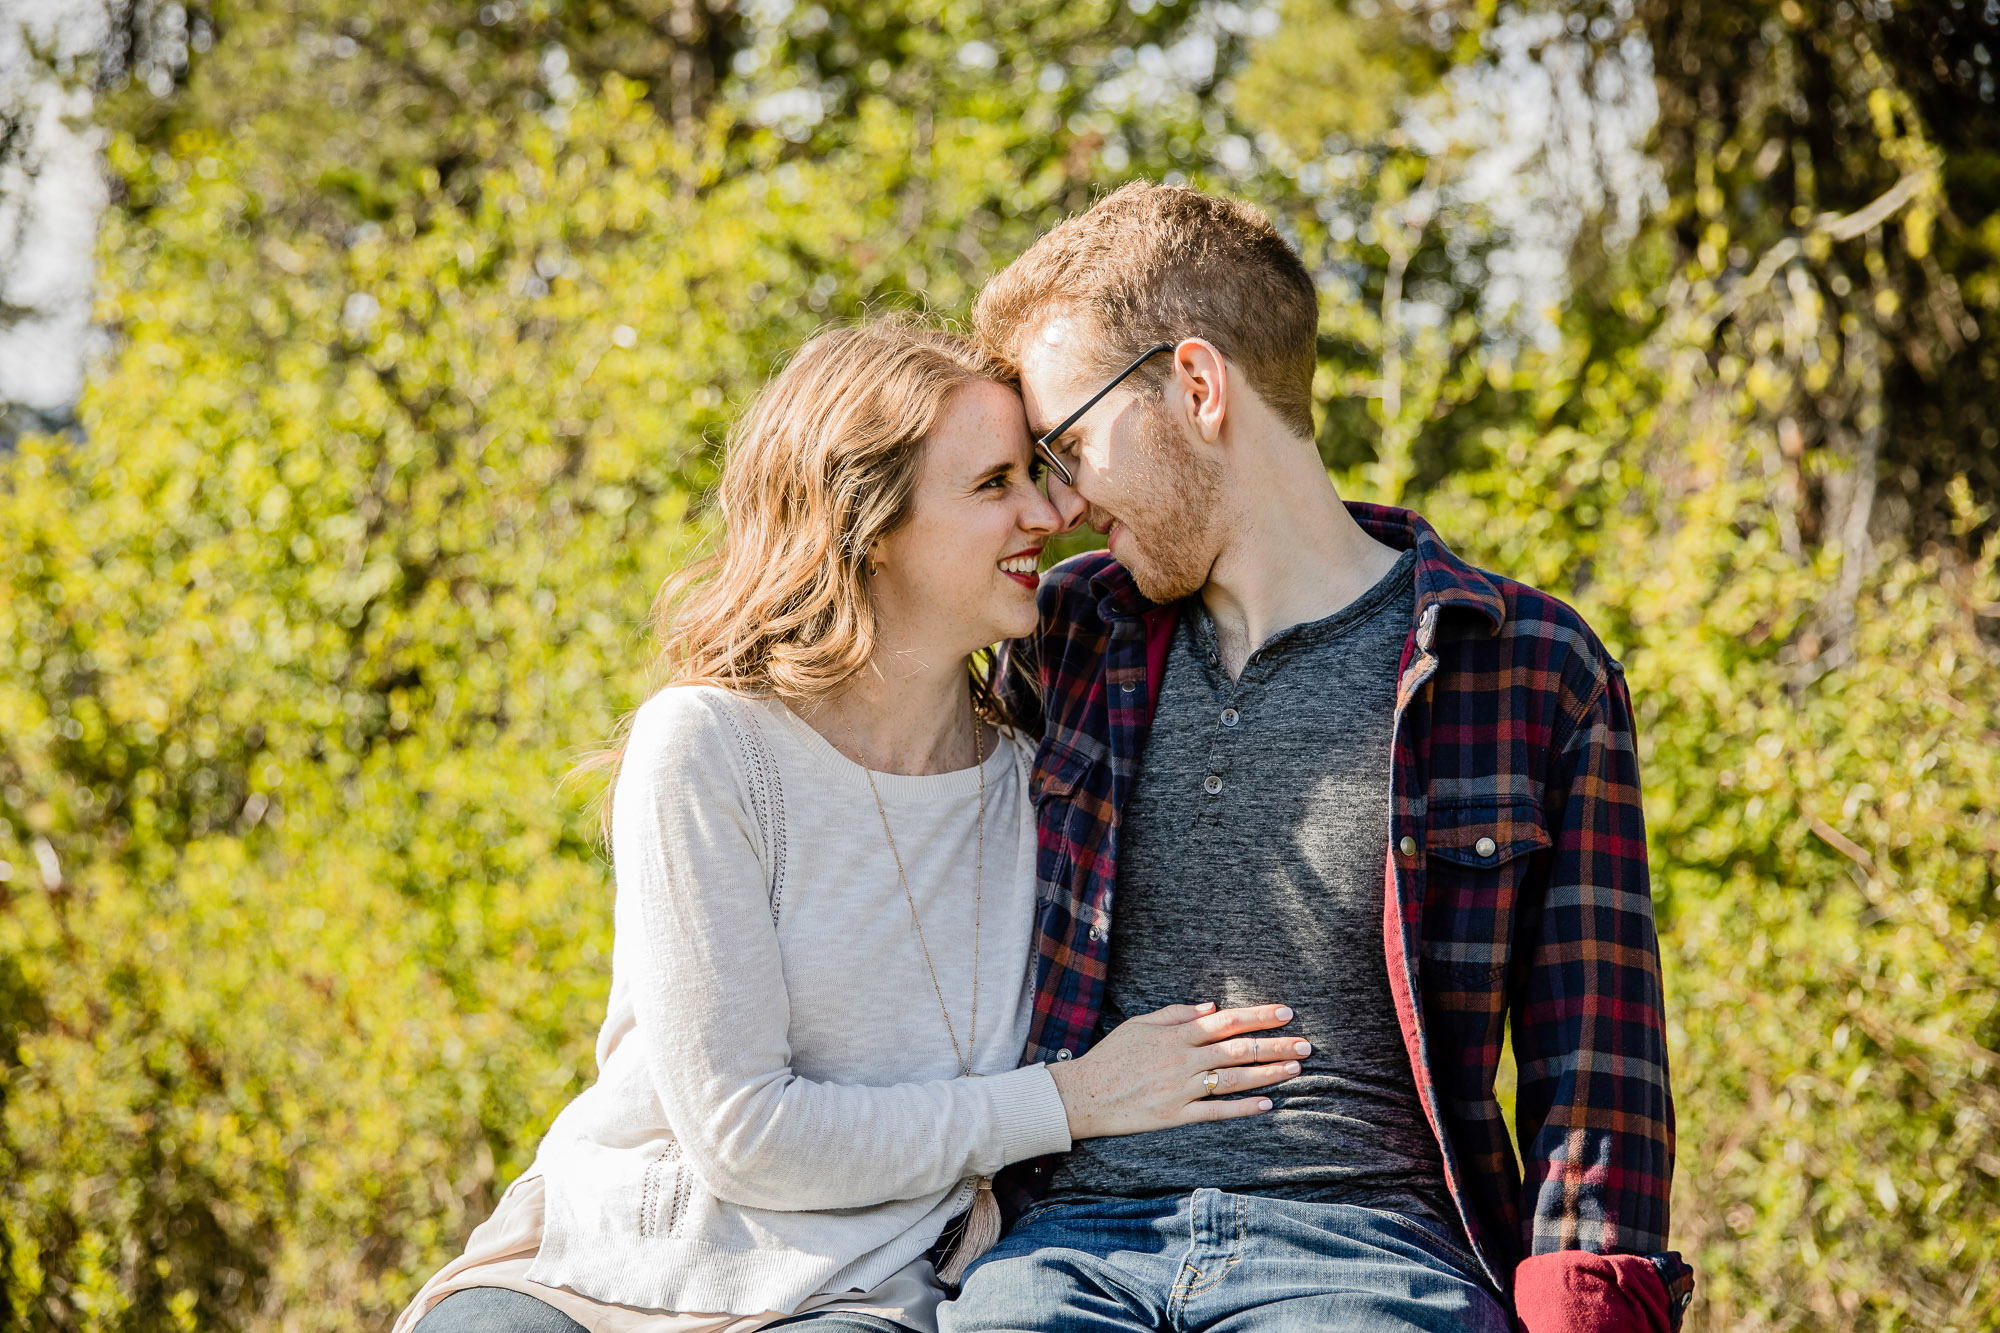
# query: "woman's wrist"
{"points": [[1070, 1079]]}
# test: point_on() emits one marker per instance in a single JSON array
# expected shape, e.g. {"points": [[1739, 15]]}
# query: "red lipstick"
{"points": [[1029, 580]]}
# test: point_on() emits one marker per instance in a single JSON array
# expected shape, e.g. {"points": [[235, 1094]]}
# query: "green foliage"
{"points": [[1824, 848], [1346, 71], [425, 340]]}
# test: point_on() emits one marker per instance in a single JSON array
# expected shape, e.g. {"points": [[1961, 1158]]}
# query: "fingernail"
{"points": [[1291, 1066], [1302, 1048], [1204, 1006], [1263, 1103], [1284, 1014]]}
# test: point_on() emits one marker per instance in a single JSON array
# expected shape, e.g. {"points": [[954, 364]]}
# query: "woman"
{"points": [[824, 844]]}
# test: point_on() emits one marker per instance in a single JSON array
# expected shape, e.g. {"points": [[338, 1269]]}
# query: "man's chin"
{"points": [[1156, 583]]}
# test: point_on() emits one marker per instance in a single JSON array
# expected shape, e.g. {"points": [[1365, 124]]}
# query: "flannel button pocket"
{"points": [[1482, 836], [1060, 785], [1059, 771], [1478, 855]]}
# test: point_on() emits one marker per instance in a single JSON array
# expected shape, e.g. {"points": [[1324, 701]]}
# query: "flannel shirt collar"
{"points": [[1443, 580], [1118, 597]]}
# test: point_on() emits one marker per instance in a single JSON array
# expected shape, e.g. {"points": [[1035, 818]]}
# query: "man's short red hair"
{"points": [[1149, 264]]}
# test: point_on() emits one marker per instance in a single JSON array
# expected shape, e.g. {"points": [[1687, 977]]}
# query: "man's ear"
{"points": [[1200, 388]]}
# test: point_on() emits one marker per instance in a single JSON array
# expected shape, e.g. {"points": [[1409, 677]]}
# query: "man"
{"points": [[1318, 760]]}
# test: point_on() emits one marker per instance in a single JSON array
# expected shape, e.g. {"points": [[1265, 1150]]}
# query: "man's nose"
{"points": [[1069, 506]]}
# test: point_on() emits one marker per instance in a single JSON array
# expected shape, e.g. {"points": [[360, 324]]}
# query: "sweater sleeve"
{"points": [[713, 1014]]}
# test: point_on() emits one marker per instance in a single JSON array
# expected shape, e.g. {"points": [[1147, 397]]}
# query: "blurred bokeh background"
{"points": [[366, 364]]}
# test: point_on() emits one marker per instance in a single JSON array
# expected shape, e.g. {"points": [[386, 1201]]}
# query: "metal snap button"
{"points": [[1062, 1055], [1211, 784], [1408, 846], [1097, 932], [1229, 717], [1485, 847], [1129, 686]]}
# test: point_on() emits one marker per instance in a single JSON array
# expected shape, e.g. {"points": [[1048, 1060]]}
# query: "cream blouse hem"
{"points": [[502, 1248]]}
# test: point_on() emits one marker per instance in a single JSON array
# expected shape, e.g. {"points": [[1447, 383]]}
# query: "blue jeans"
{"points": [[495, 1310], [1224, 1263]]}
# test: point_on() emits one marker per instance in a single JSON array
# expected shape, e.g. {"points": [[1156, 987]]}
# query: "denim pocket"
{"points": [[1444, 1241], [1039, 1208]]}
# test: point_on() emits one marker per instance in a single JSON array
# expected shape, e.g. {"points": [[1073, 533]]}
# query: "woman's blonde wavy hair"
{"points": [[819, 469]]}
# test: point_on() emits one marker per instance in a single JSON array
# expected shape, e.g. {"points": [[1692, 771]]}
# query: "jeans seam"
{"points": [[1177, 1295], [1184, 1291], [1471, 1261]]}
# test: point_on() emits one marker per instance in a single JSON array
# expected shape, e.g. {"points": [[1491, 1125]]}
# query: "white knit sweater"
{"points": [[778, 1111]]}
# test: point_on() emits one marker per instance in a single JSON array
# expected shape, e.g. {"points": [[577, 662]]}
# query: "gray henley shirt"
{"points": [[1250, 870]]}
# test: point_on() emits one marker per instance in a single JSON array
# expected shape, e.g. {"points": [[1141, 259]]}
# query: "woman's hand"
{"points": [[1149, 1072]]}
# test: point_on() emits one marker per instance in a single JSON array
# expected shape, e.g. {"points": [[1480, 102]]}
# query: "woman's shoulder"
{"points": [[691, 726]]}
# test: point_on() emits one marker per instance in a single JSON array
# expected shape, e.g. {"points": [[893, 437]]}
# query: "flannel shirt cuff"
{"points": [[1574, 1291]]}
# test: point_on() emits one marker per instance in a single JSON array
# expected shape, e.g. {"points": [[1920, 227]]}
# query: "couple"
{"points": [[1359, 806]]}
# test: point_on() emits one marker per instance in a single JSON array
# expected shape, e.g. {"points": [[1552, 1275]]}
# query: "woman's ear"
{"points": [[1201, 387]]}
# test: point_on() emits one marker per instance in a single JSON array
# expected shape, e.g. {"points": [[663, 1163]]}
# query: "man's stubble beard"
{"points": [[1170, 540]]}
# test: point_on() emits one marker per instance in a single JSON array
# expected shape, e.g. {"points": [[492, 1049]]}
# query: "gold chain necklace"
{"points": [[978, 892]]}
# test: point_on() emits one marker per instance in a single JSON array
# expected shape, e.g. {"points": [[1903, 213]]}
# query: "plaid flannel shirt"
{"points": [[1512, 725]]}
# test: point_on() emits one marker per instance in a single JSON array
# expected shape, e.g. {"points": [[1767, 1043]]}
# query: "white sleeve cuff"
{"points": [[1030, 1113]]}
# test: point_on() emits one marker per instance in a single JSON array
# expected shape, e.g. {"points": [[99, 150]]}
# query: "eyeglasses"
{"points": [[1045, 443]]}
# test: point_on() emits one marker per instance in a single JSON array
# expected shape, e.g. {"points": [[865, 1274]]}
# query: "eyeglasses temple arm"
{"points": [[1046, 442]]}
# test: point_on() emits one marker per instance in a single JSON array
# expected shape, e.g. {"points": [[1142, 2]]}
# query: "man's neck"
{"points": [[1293, 554]]}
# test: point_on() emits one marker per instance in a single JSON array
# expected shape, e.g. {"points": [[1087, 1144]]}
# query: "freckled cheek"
{"points": [[967, 558], [945, 586]]}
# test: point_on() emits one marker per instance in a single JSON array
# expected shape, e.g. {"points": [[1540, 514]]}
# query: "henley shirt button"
{"points": [[1229, 717], [1062, 1055], [1485, 847], [1212, 785], [1408, 846]]}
